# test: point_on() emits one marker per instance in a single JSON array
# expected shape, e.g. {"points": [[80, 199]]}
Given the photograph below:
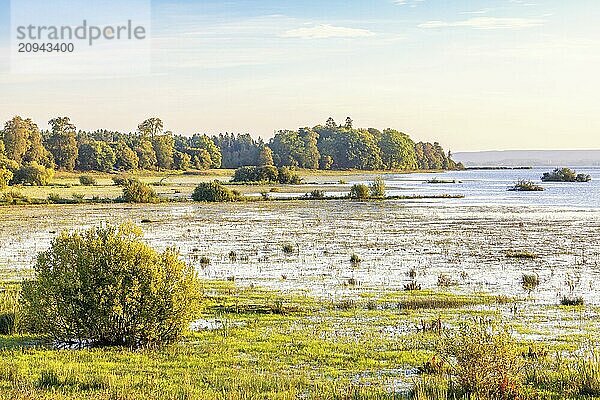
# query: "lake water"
{"points": [[489, 187]]}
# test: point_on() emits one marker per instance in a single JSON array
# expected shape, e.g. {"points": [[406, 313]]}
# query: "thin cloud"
{"points": [[486, 23], [326, 31]]}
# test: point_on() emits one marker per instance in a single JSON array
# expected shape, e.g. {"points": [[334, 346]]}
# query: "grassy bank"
{"points": [[253, 343]]}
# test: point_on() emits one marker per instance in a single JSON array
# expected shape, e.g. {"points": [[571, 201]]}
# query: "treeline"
{"points": [[29, 155]]}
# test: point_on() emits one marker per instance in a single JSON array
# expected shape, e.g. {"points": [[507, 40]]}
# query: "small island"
{"points": [[565, 175], [526, 186]]}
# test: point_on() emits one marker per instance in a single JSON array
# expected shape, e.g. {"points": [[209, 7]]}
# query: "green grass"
{"points": [[274, 345]]}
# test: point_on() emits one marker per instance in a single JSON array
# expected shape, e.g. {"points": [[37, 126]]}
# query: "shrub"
{"points": [[213, 192], [288, 248], [526, 186], [288, 177], [484, 363], [266, 174], [87, 180], [317, 194], [139, 192], [530, 282], [33, 174], [359, 191], [412, 286], [355, 259], [123, 180], [377, 188], [104, 286], [5, 178], [571, 301]]}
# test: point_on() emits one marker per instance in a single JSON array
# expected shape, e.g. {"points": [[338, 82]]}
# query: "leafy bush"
{"points": [[378, 188], [266, 174], [359, 191], [288, 177], [288, 248], [486, 364], [213, 192], [565, 175], [316, 194], [139, 192], [571, 301], [530, 282], [104, 286], [33, 174], [87, 180], [123, 180]]}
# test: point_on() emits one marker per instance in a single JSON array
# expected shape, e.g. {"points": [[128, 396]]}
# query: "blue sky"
{"points": [[491, 74]]}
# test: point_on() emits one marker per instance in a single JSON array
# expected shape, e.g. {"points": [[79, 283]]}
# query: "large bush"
{"points": [[33, 174], [360, 191], [213, 192], [105, 287], [135, 191], [484, 363], [267, 174]]}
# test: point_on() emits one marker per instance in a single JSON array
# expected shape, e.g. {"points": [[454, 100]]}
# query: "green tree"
{"points": [[182, 161], [349, 148], [349, 122], [125, 158], [33, 174], [266, 156], [397, 150], [104, 286], [15, 137], [146, 155], [62, 143], [164, 148], [23, 142], [203, 142], [150, 128], [330, 124], [96, 156], [296, 149]]}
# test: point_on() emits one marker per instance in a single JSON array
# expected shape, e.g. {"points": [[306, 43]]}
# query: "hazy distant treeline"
{"points": [[329, 146]]}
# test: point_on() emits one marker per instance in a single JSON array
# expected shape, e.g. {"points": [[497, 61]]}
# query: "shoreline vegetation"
{"points": [[30, 156], [102, 188]]}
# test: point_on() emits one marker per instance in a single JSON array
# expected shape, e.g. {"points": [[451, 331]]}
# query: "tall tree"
{"points": [[151, 127], [16, 137], [266, 156], [164, 148], [146, 154], [62, 144], [349, 123]]}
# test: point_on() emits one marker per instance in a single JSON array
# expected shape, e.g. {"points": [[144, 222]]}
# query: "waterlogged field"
{"points": [[288, 315]]}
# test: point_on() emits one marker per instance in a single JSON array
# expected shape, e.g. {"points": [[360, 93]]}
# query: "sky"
{"points": [[473, 75]]}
